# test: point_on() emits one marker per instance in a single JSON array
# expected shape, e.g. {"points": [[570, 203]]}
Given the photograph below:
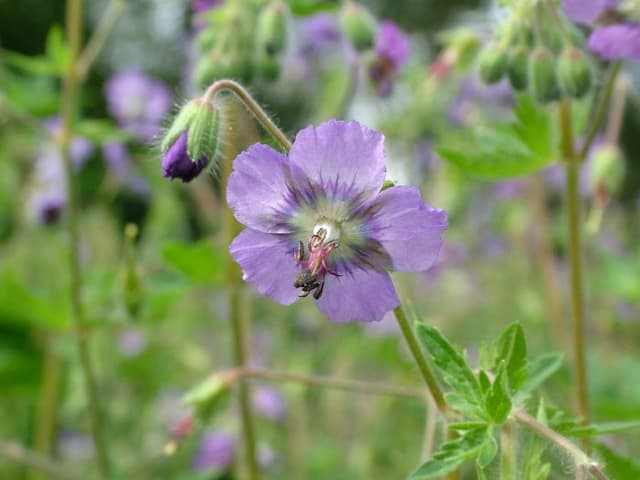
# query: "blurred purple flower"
{"points": [[474, 97], [118, 159], [392, 53], [319, 224], [74, 445], [137, 102], [201, 6], [47, 206], [132, 342], [80, 148], [48, 196], [269, 403], [216, 452], [586, 11], [319, 33], [509, 189], [617, 42]]}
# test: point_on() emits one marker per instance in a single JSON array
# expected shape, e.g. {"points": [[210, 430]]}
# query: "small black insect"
{"points": [[309, 282]]}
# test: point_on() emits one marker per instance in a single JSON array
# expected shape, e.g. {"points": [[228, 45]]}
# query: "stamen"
{"points": [[315, 266]]}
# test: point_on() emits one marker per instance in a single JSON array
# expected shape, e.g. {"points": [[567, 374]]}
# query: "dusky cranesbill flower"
{"points": [[318, 222], [391, 54]]}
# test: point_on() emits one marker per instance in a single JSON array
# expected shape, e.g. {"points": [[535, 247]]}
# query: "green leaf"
{"points": [[56, 48], [201, 262], [601, 428], [101, 131], [310, 7], [473, 425], [522, 146], [453, 366], [498, 403], [618, 466], [451, 455], [488, 451], [480, 472], [540, 370], [511, 348]]}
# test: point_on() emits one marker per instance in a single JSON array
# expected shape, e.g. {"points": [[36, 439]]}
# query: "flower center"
{"points": [[323, 241]]}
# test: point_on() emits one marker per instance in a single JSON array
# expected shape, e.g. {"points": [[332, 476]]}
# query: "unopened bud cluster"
{"points": [[539, 51], [241, 41]]}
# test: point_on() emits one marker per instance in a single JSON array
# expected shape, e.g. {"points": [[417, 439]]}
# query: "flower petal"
{"points": [[364, 295], [584, 11], [616, 42], [268, 262], [408, 229], [258, 190], [345, 159]]}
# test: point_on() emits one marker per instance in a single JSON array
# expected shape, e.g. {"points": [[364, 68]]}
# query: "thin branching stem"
{"points": [[71, 85], [19, 454]]}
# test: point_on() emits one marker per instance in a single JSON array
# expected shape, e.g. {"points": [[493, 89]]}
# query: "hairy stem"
{"points": [[575, 258], [355, 386], [507, 453], [421, 361], [71, 84], [256, 110], [17, 453], [579, 457]]}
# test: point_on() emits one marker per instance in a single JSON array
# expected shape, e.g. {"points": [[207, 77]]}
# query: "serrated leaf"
{"points": [[488, 451], [522, 146], [453, 366], [511, 348], [540, 370], [451, 455], [601, 428], [618, 466], [498, 403], [201, 262]]}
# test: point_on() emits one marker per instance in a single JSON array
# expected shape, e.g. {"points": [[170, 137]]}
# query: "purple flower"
{"points": [[617, 42], [47, 205], [318, 222], [118, 159], [320, 32], [269, 403], [586, 11], [137, 102], [176, 162], [201, 6], [216, 452], [392, 53], [80, 148]]}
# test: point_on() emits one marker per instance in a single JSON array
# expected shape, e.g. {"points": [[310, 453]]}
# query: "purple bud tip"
{"points": [[177, 163]]}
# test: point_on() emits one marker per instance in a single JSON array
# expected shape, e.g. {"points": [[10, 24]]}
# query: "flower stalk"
{"points": [[427, 375]]}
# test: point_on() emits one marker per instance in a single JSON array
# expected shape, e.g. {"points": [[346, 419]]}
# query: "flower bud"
{"points": [[574, 73], [492, 63], [542, 75], [191, 141], [518, 67], [608, 169], [359, 26], [271, 33], [210, 395], [268, 67]]}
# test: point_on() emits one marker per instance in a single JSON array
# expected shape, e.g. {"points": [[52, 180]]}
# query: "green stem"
{"points": [[97, 40], [238, 139], [17, 453], [256, 110], [600, 111], [507, 453], [49, 397], [355, 386], [69, 100], [421, 361], [575, 257], [580, 458]]}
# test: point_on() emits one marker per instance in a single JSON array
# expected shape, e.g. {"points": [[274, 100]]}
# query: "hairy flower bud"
{"points": [[492, 63], [574, 73], [191, 141], [271, 33], [542, 75], [518, 67], [359, 26]]}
